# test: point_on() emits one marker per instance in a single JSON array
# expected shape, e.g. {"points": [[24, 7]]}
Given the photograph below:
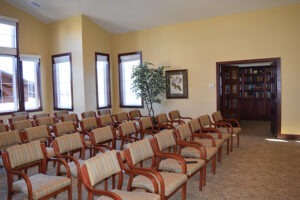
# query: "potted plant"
{"points": [[149, 83]]}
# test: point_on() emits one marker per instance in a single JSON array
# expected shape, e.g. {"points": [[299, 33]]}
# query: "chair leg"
{"points": [[228, 143], [79, 189], [238, 139], [201, 179], [183, 194], [70, 192], [231, 145], [214, 164], [220, 154]]}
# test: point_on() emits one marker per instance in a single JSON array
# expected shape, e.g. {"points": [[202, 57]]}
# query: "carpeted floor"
{"points": [[259, 169]]}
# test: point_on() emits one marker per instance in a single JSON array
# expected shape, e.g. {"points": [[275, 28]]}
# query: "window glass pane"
{"points": [[62, 82], [103, 81], [8, 84], [31, 87], [7, 35], [128, 97]]}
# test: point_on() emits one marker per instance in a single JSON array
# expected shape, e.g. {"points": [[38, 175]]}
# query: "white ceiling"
{"points": [[121, 16]]}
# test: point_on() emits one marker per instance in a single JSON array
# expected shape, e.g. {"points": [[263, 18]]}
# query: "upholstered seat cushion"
{"points": [[236, 130], [125, 195], [172, 181], [208, 142], [173, 165], [42, 185], [72, 167], [194, 153], [50, 152]]}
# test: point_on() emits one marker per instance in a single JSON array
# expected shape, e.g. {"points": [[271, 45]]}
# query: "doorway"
{"points": [[251, 90]]}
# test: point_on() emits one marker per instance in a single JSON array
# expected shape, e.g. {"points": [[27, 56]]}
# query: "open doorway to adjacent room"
{"points": [[251, 90]]}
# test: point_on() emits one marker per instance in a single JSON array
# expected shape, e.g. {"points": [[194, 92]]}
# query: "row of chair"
{"points": [[185, 139]]}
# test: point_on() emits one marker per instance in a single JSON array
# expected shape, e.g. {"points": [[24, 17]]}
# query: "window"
{"points": [[62, 81], [103, 80], [126, 63], [19, 81]]}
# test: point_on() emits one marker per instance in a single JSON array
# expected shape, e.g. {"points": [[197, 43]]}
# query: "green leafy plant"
{"points": [[149, 83]]}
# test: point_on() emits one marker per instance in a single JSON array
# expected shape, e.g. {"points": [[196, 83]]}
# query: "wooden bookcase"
{"points": [[248, 92]]}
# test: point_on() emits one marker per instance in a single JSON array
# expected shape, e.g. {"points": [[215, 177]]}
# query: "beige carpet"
{"points": [[259, 169]]}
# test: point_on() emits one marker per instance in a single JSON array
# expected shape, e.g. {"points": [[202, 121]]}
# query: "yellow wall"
{"points": [[198, 45], [94, 39], [33, 39], [66, 36]]}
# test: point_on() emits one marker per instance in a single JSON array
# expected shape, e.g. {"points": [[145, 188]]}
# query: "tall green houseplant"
{"points": [[149, 83]]}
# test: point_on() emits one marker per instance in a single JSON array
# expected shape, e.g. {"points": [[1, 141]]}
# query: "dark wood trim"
{"points": [[289, 137], [277, 60], [107, 82], [54, 82], [120, 81]]}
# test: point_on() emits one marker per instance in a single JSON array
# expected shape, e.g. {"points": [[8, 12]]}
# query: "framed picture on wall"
{"points": [[177, 84]]}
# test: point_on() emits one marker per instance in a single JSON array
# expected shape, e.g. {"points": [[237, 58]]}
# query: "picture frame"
{"points": [[177, 84]]}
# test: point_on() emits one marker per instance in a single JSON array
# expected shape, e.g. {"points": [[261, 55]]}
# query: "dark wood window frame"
{"points": [[54, 82], [121, 82], [107, 82]]}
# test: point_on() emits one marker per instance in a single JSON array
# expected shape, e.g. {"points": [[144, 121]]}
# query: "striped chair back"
{"points": [[59, 114], [37, 133], [146, 122], [105, 120], [165, 139], [184, 131], [162, 118], [48, 121], [39, 115], [70, 142], [3, 127], [23, 154], [217, 116], [88, 114], [21, 125], [64, 128], [104, 112], [195, 125], [122, 117], [9, 138], [140, 151], [174, 115], [102, 166], [204, 121], [127, 128], [103, 134], [88, 124]]}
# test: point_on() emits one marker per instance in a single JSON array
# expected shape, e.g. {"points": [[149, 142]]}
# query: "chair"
{"points": [[99, 168], [70, 117], [38, 186], [188, 147], [168, 182], [205, 138], [127, 130], [59, 114], [103, 112], [147, 126], [135, 114], [9, 139], [122, 117], [88, 114], [207, 126], [39, 115], [65, 147], [233, 124], [163, 122], [176, 118], [41, 134], [163, 142]]}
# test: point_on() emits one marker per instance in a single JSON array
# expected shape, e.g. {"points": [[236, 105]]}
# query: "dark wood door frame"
{"points": [[277, 62]]}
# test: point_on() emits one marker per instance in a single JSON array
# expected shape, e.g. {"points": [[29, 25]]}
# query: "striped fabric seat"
{"points": [[72, 167], [69, 142], [172, 182], [9, 138], [37, 133], [208, 142], [172, 165], [191, 152], [42, 185], [125, 195]]}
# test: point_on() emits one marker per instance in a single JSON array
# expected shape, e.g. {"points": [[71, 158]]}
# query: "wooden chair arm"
{"points": [[103, 192], [202, 135]]}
